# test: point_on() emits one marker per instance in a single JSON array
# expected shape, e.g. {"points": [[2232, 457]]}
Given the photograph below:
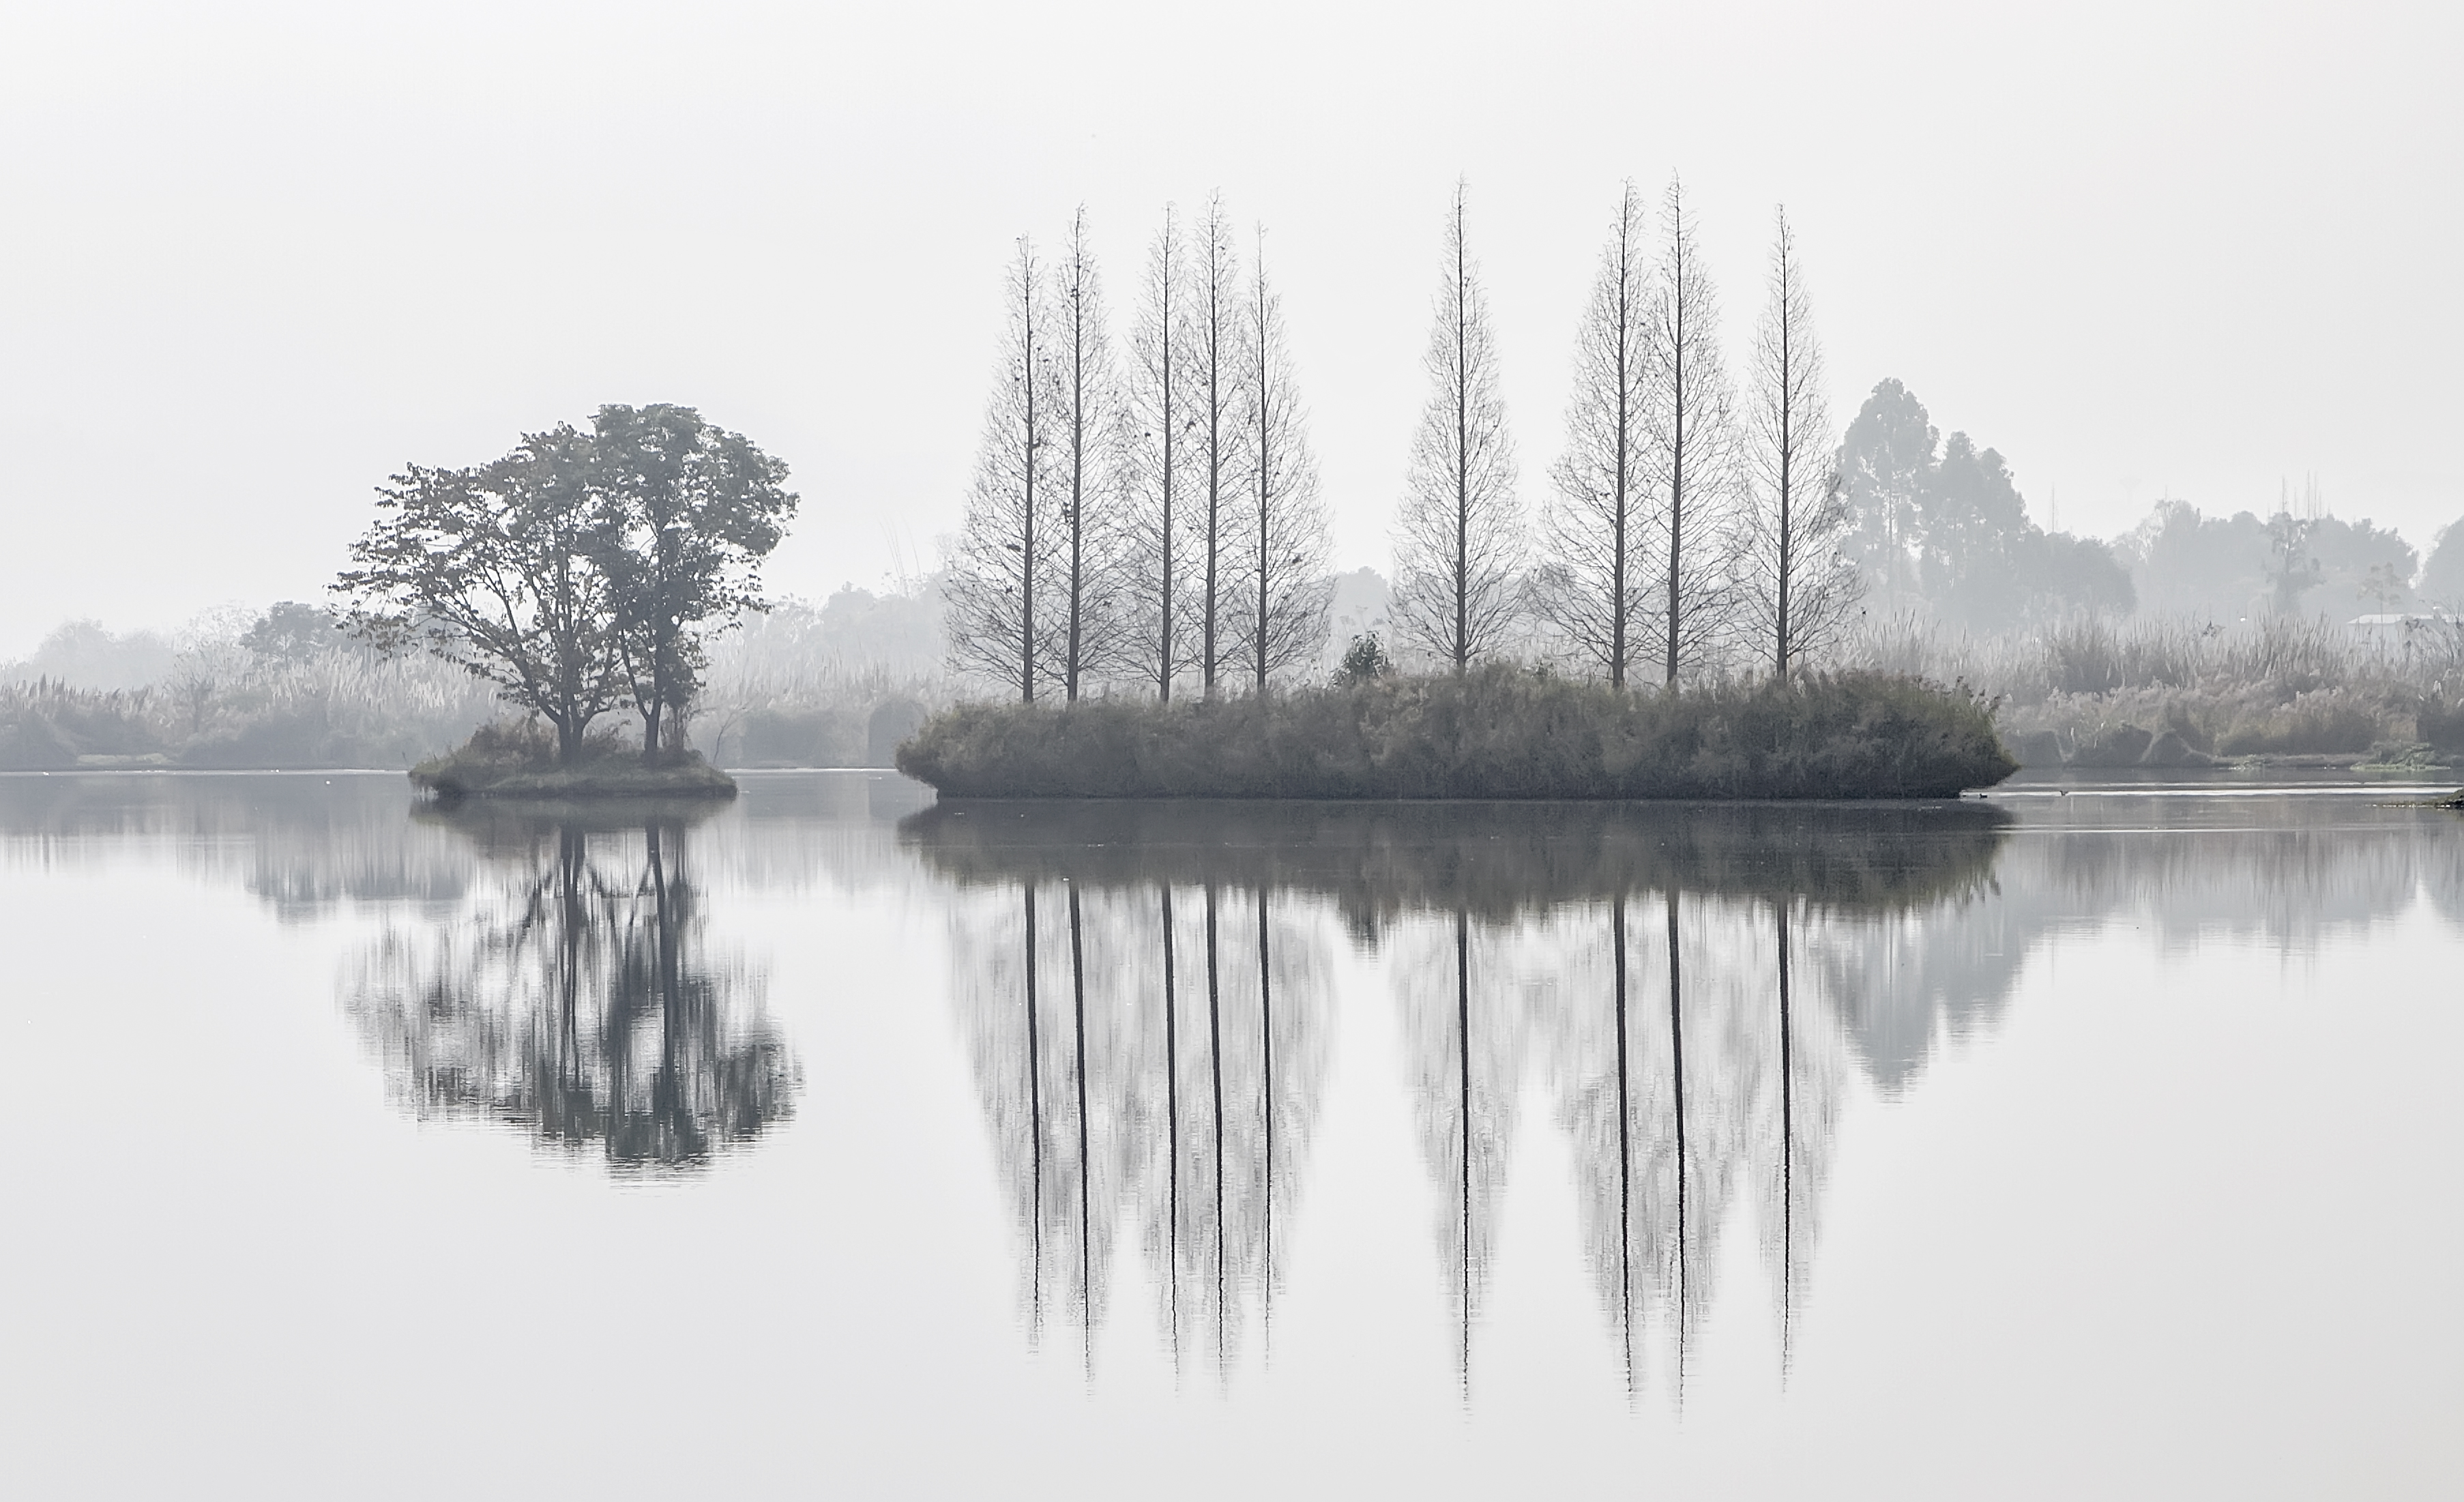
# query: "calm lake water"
{"points": [[2076, 1141]]}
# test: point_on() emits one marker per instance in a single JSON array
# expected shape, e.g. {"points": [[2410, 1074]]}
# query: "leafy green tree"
{"points": [[681, 517], [496, 570]]}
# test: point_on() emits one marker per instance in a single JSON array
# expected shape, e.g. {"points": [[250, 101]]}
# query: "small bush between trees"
{"points": [[1498, 731]]}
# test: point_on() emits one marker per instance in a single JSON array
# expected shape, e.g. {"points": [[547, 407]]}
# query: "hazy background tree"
{"points": [[1592, 585], [1799, 583], [1693, 452], [83, 654], [1946, 536], [2070, 575], [998, 564], [1886, 461], [1087, 426], [1157, 536], [1973, 528], [2442, 576], [2242, 567], [1216, 402], [1459, 546], [498, 570], [685, 512], [1285, 528]]}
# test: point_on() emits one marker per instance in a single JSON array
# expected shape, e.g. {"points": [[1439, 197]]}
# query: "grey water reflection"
{"points": [[1685, 998], [581, 1000], [1149, 1015]]}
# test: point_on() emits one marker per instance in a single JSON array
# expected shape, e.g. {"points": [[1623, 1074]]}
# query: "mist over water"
{"points": [[1373, 1145]]}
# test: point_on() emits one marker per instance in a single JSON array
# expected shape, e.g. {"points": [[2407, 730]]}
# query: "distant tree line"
{"points": [[1941, 530], [580, 574], [1158, 522]]}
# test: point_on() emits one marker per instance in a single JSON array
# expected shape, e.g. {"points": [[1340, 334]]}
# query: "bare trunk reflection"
{"points": [[1692, 1060]]}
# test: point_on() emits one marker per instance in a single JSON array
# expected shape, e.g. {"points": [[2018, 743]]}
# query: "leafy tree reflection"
{"points": [[578, 999]]}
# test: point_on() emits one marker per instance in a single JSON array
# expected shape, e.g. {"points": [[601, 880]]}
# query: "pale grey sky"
{"points": [[254, 257]]}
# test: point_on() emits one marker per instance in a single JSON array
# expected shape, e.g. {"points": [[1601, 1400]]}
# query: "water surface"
{"points": [[2072, 1140]]}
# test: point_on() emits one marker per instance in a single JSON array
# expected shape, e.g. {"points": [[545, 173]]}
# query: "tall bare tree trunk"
{"points": [[1288, 526], [1591, 583], [1086, 395], [996, 565], [1459, 542], [1693, 451], [1216, 350], [1799, 582]]}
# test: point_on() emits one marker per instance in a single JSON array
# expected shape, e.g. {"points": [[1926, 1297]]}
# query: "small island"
{"points": [[519, 761], [1499, 731]]}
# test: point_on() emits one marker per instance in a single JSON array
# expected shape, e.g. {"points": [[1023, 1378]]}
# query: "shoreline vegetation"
{"points": [[2178, 693], [1499, 731]]}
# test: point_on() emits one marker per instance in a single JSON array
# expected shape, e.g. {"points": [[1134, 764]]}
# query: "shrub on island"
{"points": [[1497, 731], [519, 759]]}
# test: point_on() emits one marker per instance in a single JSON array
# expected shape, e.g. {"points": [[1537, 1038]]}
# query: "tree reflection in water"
{"points": [[1157, 1051], [577, 998], [1694, 1060]]}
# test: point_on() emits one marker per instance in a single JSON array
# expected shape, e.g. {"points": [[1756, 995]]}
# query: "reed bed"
{"points": [[2276, 686]]}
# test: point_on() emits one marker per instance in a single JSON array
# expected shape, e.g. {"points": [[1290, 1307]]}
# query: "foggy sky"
{"points": [[254, 260]]}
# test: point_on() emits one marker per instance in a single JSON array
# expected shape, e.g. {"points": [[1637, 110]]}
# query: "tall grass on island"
{"points": [[1498, 731]]}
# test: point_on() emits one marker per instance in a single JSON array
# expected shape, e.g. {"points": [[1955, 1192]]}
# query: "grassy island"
{"points": [[517, 761], [1500, 732]]}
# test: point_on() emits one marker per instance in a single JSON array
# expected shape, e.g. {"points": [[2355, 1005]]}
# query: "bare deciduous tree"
{"points": [[1692, 452], [1594, 585], [1287, 527], [1459, 542], [1214, 352], [1154, 584], [998, 561], [1087, 428], [1799, 581]]}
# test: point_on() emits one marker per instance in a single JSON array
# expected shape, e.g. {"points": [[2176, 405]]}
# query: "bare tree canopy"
{"points": [[1692, 452], [1158, 539], [1085, 403], [1459, 543], [1287, 528], [1221, 460], [1797, 583], [997, 566], [1592, 586]]}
